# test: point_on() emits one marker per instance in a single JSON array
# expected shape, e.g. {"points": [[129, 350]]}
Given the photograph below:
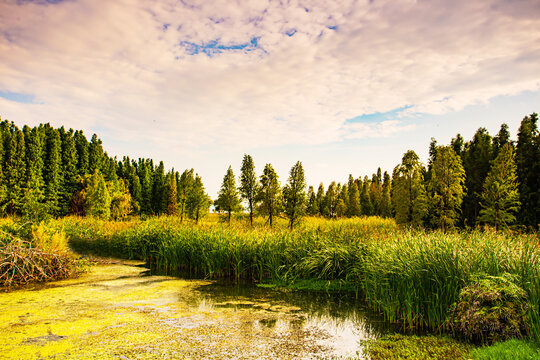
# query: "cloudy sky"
{"points": [[344, 86]]}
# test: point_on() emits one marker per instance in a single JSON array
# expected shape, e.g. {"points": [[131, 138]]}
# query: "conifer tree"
{"points": [[172, 196], [446, 187], [312, 208], [528, 170], [159, 196], [249, 184], [2, 178], [33, 207], [81, 143], [500, 198], [228, 197], [386, 199], [95, 155], [477, 158], [185, 184], [375, 193], [69, 171], [321, 204], [343, 205], [98, 199], [15, 171], [499, 140], [457, 144], [197, 200], [408, 192], [53, 170], [365, 200], [294, 194], [353, 208], [145, 172], [331, 199], [270, 194]]}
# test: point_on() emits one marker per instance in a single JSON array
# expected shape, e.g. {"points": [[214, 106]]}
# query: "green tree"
{"points": [[159, 190], [446, 187], [312, 208], [81, 143], [386, 197], [69, 171], [172, 195], [121, 200], [95, 155], [187, 179], [197, 201], [502, 138], [145, 171], [294, 195], [500, 198], [15, 171], [353, 206], [409, 197], [331, 199], [365, 199], [270, 194], [33, 207], [321, 203], [249, 185], [98, 199], [477, 158], [53, 170], [528, 170], [228, 197]]}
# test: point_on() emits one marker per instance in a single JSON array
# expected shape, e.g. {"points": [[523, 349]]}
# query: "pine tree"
{"points": [[81, 144], [185, 184], [98, 199], [408, 192], [69, 171], [312, 208], [159, 196], [322, 208], [53, 170], [528, 170], [294, 195], [500, 198], [457, 144], [145, 170], [15, 171], [343, 201], [331, 199], [228, 197], [386, 199], [33, 207], [249, 185], [446, 187], [197, 201], [499, 140], [365, 200], [270, 194], [172, 196], [95, 155], [353, 208], [477, 158], [2, 178], [375, 193]]}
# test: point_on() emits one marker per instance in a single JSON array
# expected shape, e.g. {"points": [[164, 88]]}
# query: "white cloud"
{"points": [[111, 65]]}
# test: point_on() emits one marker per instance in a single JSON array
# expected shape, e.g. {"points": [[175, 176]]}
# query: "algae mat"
{"points": [[117, 312]]}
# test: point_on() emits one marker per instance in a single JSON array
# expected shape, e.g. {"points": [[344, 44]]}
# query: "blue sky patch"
{"points": [[333, 27], [290, 32], [214, 47], [378, 116], [18, 97]]}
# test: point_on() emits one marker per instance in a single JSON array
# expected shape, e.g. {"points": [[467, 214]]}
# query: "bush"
{"points": [[491, 309]]}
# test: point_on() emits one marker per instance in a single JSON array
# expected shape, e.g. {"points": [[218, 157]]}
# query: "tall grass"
{"points": [[410, 276]]}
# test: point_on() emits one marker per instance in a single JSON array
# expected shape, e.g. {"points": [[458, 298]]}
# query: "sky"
{"points": [[343, 86]]}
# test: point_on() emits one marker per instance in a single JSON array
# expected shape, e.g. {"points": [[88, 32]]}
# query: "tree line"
{"points": [[487, 180], [46, 171]]}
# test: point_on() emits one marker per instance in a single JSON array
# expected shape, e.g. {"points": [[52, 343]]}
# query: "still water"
{"points": [[116, 311]]}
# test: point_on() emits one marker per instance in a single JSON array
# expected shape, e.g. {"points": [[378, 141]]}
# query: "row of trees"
{"points": [[489, 180], [46, 171]]}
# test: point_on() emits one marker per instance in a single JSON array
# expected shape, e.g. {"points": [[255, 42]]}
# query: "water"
{"points": [[118, 312]]}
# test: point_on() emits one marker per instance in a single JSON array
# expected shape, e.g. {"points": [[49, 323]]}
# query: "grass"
{"points": [[412, 277], [508, 350]]}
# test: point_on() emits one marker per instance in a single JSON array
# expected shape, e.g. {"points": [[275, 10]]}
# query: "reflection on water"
{"points": [[117, 312]]}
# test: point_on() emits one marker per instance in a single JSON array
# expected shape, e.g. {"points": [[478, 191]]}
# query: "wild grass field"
{"points": [[412, 277]]}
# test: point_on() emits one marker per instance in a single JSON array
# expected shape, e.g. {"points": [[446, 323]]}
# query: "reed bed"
{"points": [[410, 276]]}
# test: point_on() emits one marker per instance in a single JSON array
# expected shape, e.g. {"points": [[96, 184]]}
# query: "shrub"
{"points": [[491, 309]]}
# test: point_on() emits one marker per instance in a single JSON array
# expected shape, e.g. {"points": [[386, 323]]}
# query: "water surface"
{"points": [[117, 312]]}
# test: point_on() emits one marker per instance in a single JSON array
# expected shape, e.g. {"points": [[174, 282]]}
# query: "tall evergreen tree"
{"points": [[197, 200], [331, 199], [321, 204], [312, 208], [365, 200], [386, 198], [95, 155], [145, 169], [353, 208], [159, 190], [528, 170], [69, 171], [409, 197], [81, 143], [53, 170], [228, 197], [270, 194], [185, 185], [249, 185], [502, 138], [500, 199], [446, 187], [294, 194], [15, 171], [172, 196], [477, 158]]}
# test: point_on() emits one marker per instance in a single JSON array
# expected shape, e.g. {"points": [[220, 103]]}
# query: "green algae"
{"points": [[116, 311]]}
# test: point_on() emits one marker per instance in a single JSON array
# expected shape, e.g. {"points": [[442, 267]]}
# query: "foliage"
{"points": [[198, 201], [228, 198], [401, 347], [446, 187], [294, 195], [500, 198], [97, 197], [270, 194], [492, 308], [528, 170], [249, 185]]}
